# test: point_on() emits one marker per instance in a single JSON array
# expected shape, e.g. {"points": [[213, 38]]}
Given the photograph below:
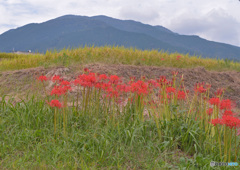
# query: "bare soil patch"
{"points": [[21, 81]]}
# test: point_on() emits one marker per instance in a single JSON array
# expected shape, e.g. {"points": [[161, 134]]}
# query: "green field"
{"points": [[102, 122], [112, 55]]}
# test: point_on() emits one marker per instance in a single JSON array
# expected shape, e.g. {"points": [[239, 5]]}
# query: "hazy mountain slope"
{"points": [[75, 31], [194, 43], [72, 31]]}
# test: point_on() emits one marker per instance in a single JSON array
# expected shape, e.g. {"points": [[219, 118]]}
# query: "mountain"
{"points": [[75, 31]]}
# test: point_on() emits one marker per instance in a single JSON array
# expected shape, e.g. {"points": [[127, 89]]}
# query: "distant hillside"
{"points": [[75, 31]]}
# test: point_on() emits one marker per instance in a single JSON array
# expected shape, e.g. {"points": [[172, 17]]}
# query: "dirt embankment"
{"points": [[22, 80]]}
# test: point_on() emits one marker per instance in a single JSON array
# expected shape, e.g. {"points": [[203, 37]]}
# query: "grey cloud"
{"points": [[139, 12], [217, 25]]}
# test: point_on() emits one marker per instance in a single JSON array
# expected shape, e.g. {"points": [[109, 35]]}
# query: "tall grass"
{"points": [[99, 122], [143, 124], [113, 55], [28, 141]]}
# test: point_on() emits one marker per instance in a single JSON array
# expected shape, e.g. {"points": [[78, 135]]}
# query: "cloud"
{"points": [[140, 12], [215, 25]]}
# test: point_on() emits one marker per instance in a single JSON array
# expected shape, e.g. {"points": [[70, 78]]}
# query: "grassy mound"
{"points": [[112, 55]]}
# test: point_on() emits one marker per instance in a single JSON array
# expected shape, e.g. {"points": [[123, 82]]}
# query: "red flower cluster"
{"points": [[214, 101], [86, 80], [199, 88], [181, 95], [60, 90], [162, 80], [152, 84], [228, 112], [55, 103], [174, 73], [178, 57], [42, 78], [56, 78], [114, 79], [219, 92], [139, 87], [170, 90], [86, 70], [103, 77], [229, 121], [225, 104]]}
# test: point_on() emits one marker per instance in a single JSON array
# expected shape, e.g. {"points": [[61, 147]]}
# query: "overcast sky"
{"points": [[217, 20]]}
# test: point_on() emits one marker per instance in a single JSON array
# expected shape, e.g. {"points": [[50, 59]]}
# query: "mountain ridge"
{"points": [[84, 30]]}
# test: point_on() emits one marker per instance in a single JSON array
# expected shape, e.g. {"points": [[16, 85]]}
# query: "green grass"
{"points": [[27, 142], [96, 135], [112, 55]]}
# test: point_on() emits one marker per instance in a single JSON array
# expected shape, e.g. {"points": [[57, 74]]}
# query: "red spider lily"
{"points": [[199, 88], [77, 82], [214, 101], [181, 95], [209, 111], [162, 59], [65, 86], [152, 83], [219, 92], [65, 83], [59, 90], [170, 90], [102, 77], [55, 103], [114, 79], [178, 57], [123, 88], [112, 92], [216, 121], [139, 87], [228, 112], [86, 70], [230, 121], [98, 85], [174, 73], [56, 78], [225, 104], [105, 86], [162, 80], [66, 89], [42, 78], [82, 80], [169, 83], [87, 80]]}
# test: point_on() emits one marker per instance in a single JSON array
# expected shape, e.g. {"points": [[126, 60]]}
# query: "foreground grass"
{"points": [[112, 55], [28, 141], [97, 135], [159, 127]]}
